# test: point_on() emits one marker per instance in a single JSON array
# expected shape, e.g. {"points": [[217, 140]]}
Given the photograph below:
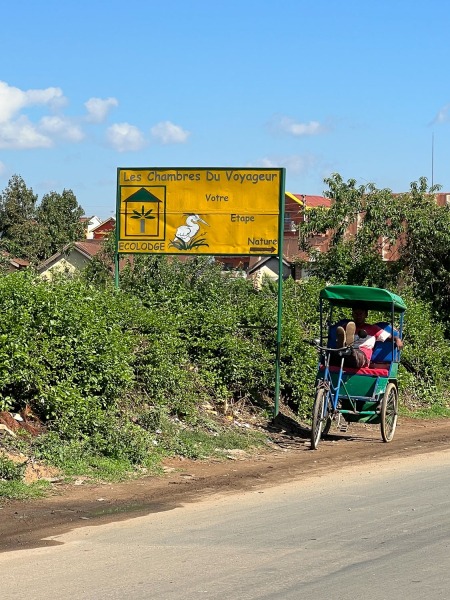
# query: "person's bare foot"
{"points": [[350, 333]]}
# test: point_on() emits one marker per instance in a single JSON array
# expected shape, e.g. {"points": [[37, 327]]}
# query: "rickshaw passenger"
{"points": [[362, 336]]}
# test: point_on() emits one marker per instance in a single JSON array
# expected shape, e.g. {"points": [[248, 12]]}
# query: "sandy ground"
{"points": [[27, 524]]}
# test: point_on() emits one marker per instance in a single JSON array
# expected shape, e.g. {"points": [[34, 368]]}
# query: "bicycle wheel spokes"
{"points": [[320, 417]]}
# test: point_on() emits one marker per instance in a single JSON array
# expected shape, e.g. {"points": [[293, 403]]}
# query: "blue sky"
{"points": [[354, 87]]}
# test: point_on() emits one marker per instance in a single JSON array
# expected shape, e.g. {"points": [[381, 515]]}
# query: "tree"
{"points": [[36, 232], [60, 215], [425, 257], [364, 223], [17, 205], [21, 235], [28, 240]]}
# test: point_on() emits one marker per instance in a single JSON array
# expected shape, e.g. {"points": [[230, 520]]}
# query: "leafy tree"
{"points": [[17, 205], [425, 257], [364, 222], [29, 240], [36, 232], [60, 215], [20, 234]]}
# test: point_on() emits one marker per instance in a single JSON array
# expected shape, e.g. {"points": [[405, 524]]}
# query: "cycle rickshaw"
{"points": [[364, 395]]}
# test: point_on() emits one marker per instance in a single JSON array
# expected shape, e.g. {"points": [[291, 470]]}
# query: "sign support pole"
{"points": [[116, 270], [116, 244], [276, 407]]}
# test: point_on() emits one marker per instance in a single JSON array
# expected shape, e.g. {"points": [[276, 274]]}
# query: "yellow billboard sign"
{"points": [[199, 211]]}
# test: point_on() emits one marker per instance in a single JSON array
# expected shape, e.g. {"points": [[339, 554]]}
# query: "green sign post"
{"points": [[203, 211]]}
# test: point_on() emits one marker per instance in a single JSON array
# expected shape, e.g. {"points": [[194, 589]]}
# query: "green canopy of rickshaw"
{"points": [[370, 297]]}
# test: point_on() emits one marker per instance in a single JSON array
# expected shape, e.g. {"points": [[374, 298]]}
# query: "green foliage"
{"points": [[425, 258], [99, 270], [21, 236], [427, 352], [214, 319], [28, 240], [18, 490], [10, 470], [122, 377], [106, 370], [299, 360], [35, 232], [60, 338], [59, 215], [365, 224], [17, 204], [200, 443]]}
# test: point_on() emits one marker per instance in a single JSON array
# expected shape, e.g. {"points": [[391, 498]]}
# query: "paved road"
{"points": [[383, 533]]}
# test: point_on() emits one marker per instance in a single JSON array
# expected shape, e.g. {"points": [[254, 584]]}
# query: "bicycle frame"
{"points": [[332, 389]]}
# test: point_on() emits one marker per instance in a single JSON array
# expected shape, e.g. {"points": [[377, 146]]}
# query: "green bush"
{"points": [[10, 470], [61, 333], [427, 354], [124, 375]]}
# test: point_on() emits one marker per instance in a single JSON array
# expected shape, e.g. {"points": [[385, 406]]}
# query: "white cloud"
{"points": [[98, 108], [442, 116], [168, 133], [291, 127], [61, 127], [22, 134], [17, 131], [13, 100], [124, 137]]}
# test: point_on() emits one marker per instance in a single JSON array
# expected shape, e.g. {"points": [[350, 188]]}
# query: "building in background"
{"points": [[89, 224], [73, 257], [103, 229]]}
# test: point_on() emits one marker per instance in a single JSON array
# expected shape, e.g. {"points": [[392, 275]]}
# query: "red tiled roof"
{"points": [[313, 201], [21, 261], [89, 247], [111, 220]]}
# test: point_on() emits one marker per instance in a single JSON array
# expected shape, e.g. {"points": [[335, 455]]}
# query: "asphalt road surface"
{"points": [[378, 532]]}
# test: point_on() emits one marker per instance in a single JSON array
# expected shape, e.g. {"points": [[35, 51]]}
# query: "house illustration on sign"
{"points": [[143, 212]]}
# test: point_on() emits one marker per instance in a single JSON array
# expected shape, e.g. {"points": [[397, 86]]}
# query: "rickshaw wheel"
{"points": [[389, 412], [327, 426], [319, 425]]}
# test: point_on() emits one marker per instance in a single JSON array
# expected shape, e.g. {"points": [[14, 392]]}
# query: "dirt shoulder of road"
{"points": [[29, 524]]}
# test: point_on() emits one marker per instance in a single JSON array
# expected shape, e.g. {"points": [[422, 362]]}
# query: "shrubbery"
{"points": [[124, 374]]}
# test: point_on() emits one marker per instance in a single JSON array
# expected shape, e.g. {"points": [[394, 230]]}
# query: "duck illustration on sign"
{"points": [[186, 236]]}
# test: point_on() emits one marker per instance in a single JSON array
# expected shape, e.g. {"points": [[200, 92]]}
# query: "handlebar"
{"points": [[316, 344]]}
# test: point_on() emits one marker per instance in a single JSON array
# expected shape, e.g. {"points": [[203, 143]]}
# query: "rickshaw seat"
{"points": [[377, 371], [382, 351]]}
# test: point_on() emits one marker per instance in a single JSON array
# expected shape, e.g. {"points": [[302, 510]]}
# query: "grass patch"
{"points": [[18, 490], [103, 468], [430, 412], [139, 453], [200, 444], [96, 467], [75, 458]]}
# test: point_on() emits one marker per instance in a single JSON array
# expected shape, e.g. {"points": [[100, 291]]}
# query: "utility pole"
{"points": [[432, 159]]}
